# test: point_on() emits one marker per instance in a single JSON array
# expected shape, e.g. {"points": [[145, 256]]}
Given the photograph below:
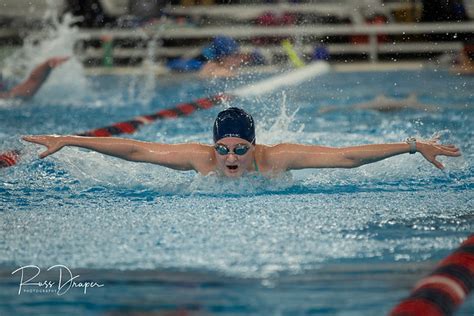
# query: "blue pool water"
{"points": [[325, 242]]}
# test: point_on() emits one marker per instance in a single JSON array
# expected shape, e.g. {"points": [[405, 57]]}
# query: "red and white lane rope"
{"points": [[445, 289]]}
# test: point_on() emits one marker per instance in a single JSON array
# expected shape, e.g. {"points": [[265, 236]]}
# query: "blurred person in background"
{"points": [[91, 12], [465, 60], [444, 11], [384, 104], [33, 83], [451, 11], [95, 14], [219, 59]]}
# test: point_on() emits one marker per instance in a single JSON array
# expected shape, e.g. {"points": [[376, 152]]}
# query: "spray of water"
{"points": [[57, 38], [281, 126]]}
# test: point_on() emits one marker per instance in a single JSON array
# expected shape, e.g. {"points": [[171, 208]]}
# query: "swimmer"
{"points": [[235, 151], [383, 104], [465, 64], [35, 80], [221, 58], [227, 67]]}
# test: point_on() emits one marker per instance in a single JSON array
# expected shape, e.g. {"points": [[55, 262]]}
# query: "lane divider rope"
{"points": [[445, 289]]}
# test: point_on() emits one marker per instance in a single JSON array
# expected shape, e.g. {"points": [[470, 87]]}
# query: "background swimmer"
{"points": [[382, 103], [35, 80], [221, 58]]}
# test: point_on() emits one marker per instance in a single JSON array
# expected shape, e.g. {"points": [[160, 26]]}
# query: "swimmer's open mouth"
{"points": [[233, 167]]}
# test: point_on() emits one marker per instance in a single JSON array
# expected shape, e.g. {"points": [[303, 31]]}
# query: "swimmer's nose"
{"points": [[231, 157]]}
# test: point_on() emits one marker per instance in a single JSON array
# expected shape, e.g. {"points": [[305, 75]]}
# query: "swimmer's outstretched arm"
{"points": [[295, 156], [38, 76], [175, 156]]}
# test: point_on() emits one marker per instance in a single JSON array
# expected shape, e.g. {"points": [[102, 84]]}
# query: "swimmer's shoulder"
{"points": [[203, 158], [270, 158]]}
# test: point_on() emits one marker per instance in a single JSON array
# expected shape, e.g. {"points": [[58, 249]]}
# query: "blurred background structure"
{"points": [[125, 32]]}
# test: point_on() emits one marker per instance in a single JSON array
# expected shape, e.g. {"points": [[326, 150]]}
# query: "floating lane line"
{"points": [[445, 289]]}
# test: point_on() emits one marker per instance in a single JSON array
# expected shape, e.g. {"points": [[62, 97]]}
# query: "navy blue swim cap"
{"points": [[234, 122]]}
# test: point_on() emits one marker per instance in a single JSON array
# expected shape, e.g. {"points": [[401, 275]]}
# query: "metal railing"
{"points": [[309, 36], [314, 33]]}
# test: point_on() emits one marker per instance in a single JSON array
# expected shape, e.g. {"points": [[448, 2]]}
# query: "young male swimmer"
{"points": [[235, 151]]}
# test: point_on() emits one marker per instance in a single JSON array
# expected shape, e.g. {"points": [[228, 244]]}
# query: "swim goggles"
{"points": [[239, 149]]}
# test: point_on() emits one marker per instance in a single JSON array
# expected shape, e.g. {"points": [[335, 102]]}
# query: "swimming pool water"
{"points": [[331, 242]]}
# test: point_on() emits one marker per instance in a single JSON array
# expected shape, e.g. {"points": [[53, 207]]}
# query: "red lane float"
{"points": [[131, 126], [12, 157], [444, 290], [9, 158]]}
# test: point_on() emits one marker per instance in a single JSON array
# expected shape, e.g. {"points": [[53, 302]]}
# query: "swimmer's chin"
{"points": [[232, 175], [226, 175]]}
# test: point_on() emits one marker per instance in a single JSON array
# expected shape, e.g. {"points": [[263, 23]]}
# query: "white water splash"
{"points": [[251, 184], [282, 128], [57, 38]]}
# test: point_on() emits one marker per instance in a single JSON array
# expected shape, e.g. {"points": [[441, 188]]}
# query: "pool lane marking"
{"points": [[9, 158], [291, 78], [445, 282], [183, 109], [445, 289]]}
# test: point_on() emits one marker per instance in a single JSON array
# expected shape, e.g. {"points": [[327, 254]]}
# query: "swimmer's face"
{"points": [[231, 164]]}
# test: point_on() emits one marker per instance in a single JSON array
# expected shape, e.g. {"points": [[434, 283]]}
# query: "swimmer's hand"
{"points": [[56, 61], [432, 148], [52, 143], [36, 79]]}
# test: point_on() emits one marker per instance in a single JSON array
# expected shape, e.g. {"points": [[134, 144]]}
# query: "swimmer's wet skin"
{"points": [[35, 80], [236, 153]]}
